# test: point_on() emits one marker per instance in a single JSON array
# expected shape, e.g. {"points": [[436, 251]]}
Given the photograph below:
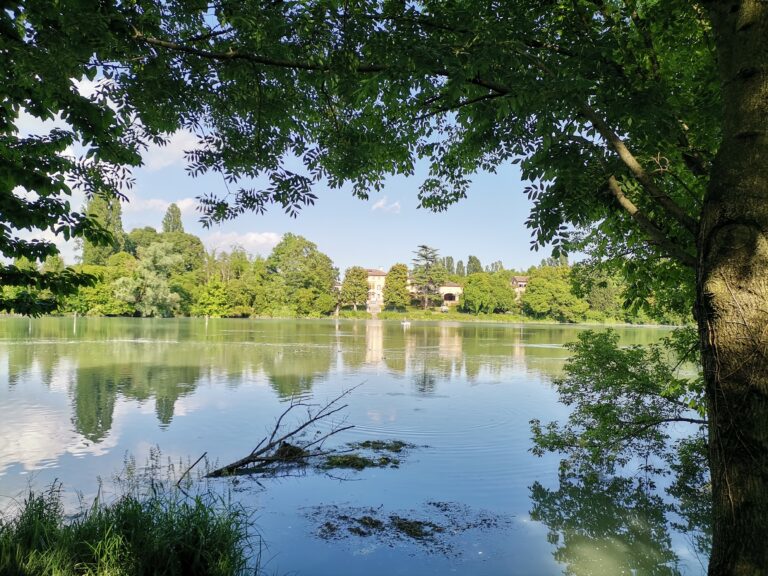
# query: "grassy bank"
{"points": [[164, 533]]}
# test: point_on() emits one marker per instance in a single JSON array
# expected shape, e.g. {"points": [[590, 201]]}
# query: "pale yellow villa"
{"points": [[450, 292], [376, 278]]}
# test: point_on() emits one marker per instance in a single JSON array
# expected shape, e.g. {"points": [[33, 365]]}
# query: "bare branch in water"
{"points": [[274, 451]]}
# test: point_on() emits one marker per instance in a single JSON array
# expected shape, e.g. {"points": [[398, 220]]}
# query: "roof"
{"points": [[451, 285], [520, 278], [375, 272]]}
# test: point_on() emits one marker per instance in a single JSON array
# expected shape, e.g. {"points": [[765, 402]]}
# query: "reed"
{"points": [[163, 532]]}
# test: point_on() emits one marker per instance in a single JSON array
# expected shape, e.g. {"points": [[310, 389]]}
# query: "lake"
{"points": [[78, 397]]}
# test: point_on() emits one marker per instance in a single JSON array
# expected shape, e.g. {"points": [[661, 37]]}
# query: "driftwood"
{"points": [[275, 452]]}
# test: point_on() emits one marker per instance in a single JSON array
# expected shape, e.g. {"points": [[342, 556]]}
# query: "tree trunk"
{"points": [[732, 294]]}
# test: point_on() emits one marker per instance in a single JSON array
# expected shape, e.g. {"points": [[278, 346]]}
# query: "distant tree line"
{"points": [[169, 273]]}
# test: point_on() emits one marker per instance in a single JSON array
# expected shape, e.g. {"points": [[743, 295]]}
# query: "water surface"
{"points": [[75, 398]]}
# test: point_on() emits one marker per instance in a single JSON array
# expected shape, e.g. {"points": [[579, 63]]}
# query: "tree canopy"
{"points": [[396, 293], [354, 288], [548, 295]]}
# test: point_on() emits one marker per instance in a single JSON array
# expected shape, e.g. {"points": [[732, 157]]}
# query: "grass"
{"points": [[164, 533]]}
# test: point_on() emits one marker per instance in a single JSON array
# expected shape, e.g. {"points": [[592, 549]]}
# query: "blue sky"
{"points": [[379, 232]]}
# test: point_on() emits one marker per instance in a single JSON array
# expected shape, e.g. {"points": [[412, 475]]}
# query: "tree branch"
{"points": [[656, 235], [247, 56], [458, 105], [629, 160], [274, 450]]}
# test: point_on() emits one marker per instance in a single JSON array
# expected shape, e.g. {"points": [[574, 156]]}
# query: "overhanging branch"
{"points": [[656, 235], [246, 56], [645, 179]]}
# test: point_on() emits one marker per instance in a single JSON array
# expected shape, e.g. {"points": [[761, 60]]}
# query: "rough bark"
{"points": [[732, 294]]}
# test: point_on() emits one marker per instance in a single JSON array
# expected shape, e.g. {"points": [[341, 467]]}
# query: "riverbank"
{"points": [[417, 314]]}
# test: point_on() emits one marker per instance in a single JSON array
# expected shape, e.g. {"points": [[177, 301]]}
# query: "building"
{"points": [[450, 292], [518, 284], [376, 279]]}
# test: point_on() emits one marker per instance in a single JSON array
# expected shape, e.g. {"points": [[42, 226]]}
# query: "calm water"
{"points": [[76, 398]]}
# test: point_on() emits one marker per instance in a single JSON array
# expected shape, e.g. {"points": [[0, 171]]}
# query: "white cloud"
{"points": [[393, 208], [87, 87], [159, 157], [67, 248], [138, 204], [188, 205], [252, 242]]}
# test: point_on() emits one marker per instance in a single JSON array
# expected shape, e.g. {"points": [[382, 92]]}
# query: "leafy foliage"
{"points": [[488, 293], [396, 294], [569, 79], [147, 289], [354, 289], [548, 294], [307, 275]]}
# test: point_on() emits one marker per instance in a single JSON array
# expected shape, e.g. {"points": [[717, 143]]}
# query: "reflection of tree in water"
{"points": [[605, 526], [425, 381], [622, 401], [292, 372], [96, 389], [20, 360], [94, 400], [287, 385]]}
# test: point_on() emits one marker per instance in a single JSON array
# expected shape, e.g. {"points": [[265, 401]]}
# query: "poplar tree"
{"points": [[172, 219], [473, 265]]}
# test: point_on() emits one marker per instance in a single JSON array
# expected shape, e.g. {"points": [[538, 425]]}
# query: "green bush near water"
{"points": [[165, 533]]}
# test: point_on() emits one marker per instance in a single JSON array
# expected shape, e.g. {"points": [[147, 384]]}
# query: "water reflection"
{"points": [[602, 526], [162, 361]]}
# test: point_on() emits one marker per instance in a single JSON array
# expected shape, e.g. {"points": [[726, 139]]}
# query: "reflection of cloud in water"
{"points": [[377, 417], [36, 434]]}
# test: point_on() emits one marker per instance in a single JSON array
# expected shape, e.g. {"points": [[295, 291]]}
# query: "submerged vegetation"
{"points": [[358, 462], [165, 533], [371, 456], [432, 528]]}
